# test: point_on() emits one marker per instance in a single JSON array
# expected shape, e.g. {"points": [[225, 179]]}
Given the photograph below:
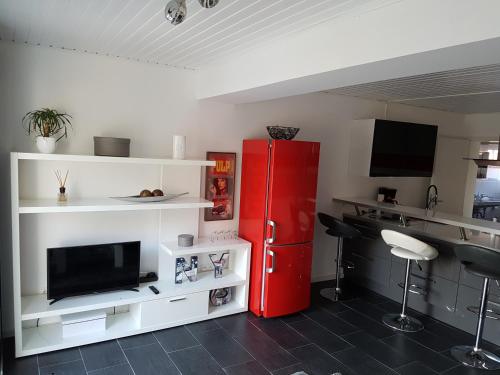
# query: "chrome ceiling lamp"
{"points": [[208, 3], [176, 11]]}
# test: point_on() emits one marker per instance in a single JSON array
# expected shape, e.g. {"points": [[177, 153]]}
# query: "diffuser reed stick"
{"points": [[61, 197]]}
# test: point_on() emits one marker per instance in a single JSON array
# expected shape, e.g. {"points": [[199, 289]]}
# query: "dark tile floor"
{"points": [[345, 337]]}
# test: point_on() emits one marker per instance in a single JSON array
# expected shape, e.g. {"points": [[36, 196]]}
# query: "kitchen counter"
{"points": [[446, 233], [428, 216]]}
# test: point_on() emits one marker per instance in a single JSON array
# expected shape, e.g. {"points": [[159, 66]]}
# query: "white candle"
{"points": [[179, 151]]}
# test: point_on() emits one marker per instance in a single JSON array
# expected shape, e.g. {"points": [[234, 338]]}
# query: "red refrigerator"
{"points": [[277, 210]]}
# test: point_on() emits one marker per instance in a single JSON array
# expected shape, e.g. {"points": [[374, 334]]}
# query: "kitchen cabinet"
{"points": [[448, 288]]}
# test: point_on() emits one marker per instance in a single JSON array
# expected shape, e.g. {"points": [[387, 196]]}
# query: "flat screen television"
{"points": [[78, 270], [402, 149]]}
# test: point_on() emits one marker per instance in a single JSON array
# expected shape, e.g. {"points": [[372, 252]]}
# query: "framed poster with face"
{"points": [[219, 186]]}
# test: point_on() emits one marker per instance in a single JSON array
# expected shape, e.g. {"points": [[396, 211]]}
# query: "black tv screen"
{"points": [[402, 149], [78, 270]]}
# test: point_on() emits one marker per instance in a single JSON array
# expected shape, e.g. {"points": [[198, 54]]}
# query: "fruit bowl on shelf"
{"points": [[149, 199], [282, 132]]}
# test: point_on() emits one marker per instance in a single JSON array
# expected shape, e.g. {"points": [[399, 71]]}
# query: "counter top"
{"points": [[426, 215]]}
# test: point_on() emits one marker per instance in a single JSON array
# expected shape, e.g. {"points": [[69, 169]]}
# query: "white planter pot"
{"points": [[46, 145]]}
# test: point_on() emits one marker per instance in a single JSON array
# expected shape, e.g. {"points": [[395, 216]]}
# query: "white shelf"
{"points": [[107, 204], [110, 159], [37, 306], [204, 245], [49, 337]]}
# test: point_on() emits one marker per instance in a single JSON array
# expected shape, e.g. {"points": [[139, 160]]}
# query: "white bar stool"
{"points": [[409, 248]]}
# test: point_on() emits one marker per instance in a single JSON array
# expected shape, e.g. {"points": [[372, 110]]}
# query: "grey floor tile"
{"points": [[101, 355], [361, 363], [176, 338], [137, 340], [294, 369], [366, 324], [150, 360], [226, 350], [265, 350], [462, 370], [206, 325], [235, 325], [293, 318], [249, 368], [319, 336], [417, 352], [21, 366], [280, 332], [431, 340], [61, 356], [367, 309], [416, 368], [195, 361], [318, 362], [380, 351], [68, 368], [123, 369], [331, 322]]}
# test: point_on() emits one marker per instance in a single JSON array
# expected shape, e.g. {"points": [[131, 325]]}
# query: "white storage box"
{"points": [[84, 323]]}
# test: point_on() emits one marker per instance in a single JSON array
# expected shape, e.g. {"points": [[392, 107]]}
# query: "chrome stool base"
{"points": [[332, 294], [404, 324], [479, 359]]}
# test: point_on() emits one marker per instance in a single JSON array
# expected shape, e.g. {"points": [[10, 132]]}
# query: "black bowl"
{"points": [[282, 132]]}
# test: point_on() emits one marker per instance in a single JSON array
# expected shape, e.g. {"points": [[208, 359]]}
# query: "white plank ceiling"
{"points": [[137, 29], [471, 90]]}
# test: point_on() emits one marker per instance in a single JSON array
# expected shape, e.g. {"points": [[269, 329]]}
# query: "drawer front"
{"points": [[369, 271], [466, 320], [440, 293], [476, 282], [173, 309], [446, 265]]}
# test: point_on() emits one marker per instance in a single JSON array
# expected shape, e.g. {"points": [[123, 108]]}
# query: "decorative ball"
{"points": [[145, 193], [157, 193]]}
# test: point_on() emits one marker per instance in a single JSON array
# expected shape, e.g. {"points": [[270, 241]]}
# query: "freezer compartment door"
{"points": [[292, 192], [287, 287]]}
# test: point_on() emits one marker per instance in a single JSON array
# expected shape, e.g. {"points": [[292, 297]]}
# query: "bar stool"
{"points": [[484, 263], [409, 248], [336, 228]]}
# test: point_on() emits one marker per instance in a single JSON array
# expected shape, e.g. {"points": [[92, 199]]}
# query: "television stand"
{"points": [[116, 290]]}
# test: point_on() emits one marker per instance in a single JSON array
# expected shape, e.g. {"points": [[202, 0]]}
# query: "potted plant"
{"points": [[49, 125]]}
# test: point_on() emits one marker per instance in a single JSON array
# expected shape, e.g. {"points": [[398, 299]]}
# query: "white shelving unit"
{"points": [[37, 323]]}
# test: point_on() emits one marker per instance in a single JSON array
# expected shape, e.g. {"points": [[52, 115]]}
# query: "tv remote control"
{"points": [[154, 290]]}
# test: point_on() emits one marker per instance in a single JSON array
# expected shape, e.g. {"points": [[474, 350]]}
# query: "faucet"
{"points": [[431, 202]]}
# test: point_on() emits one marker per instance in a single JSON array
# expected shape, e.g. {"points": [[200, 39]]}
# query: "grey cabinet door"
{"points": [[476, 282], [466, 320], [440, 298]]}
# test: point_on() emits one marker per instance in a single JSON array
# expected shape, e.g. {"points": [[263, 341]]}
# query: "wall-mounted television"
{"points": [[78, 270], [402, 149]]}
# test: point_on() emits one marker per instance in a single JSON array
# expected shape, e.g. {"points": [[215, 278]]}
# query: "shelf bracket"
{"points": [[402, 220], [358, 212], [463, 234]]}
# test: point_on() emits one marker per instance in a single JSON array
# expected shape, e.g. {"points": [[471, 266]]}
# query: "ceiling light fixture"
{"points": [[176, 10], [208, 3]]}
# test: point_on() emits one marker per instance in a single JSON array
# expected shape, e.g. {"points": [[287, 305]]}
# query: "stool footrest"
{"points": [[414, 289]]}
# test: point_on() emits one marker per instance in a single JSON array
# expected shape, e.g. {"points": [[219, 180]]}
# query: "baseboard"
{"points": [[316, 279]]}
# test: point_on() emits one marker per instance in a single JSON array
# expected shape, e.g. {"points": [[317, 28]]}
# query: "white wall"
{"points": [[150, 103]]}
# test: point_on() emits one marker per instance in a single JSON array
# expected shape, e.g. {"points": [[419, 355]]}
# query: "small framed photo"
{"points": [[219, 186]]}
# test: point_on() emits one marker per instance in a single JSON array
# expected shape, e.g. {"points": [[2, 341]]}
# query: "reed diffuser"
{"points": [[61, 197]]}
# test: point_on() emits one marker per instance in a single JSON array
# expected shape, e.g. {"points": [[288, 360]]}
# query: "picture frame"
{"points": [[219, 185]]}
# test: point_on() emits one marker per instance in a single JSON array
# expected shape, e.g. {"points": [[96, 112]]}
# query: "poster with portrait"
{"points": [[219, 186]]}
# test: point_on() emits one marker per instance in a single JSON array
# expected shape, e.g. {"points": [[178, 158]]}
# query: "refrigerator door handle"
{"points": [[272, 224], [272, 254]]}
